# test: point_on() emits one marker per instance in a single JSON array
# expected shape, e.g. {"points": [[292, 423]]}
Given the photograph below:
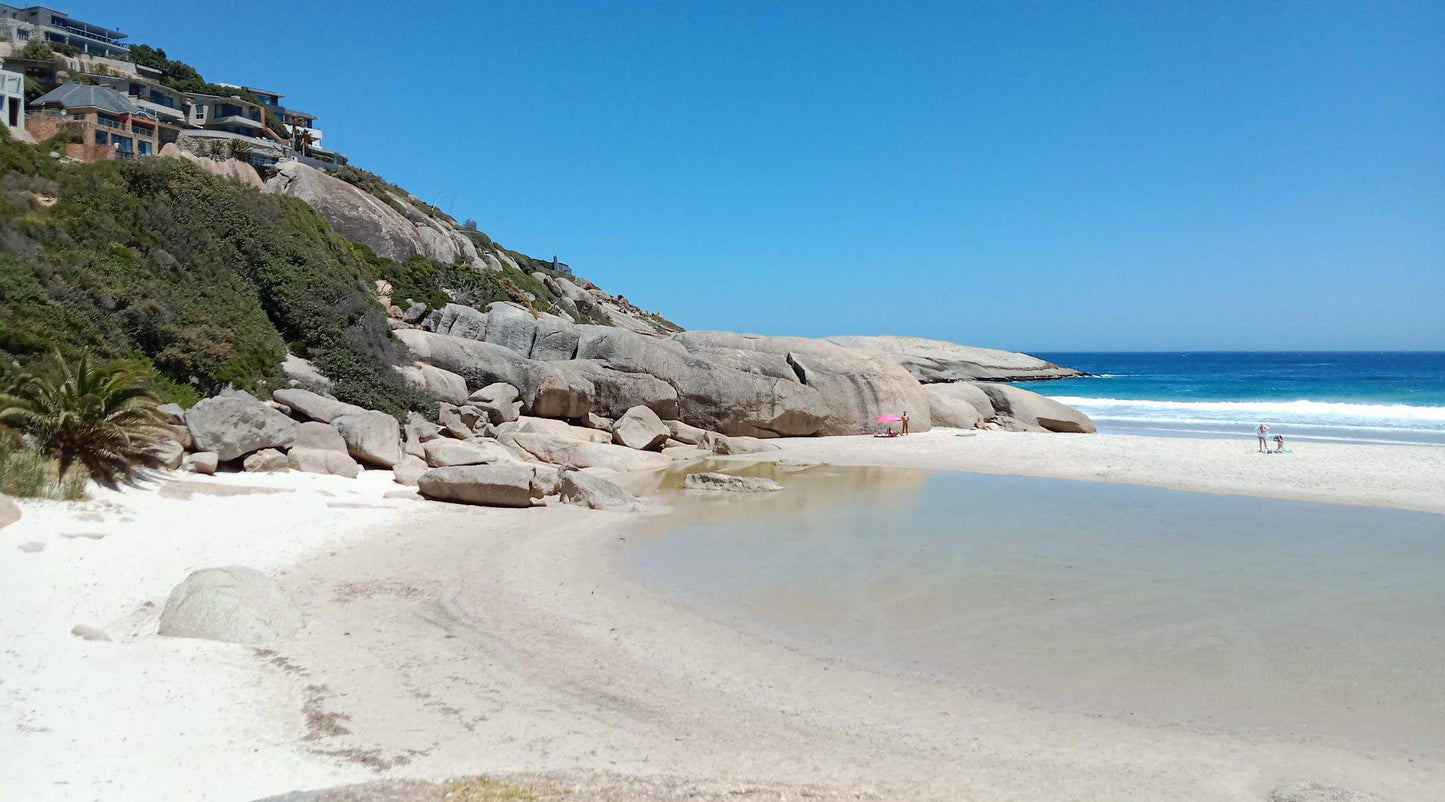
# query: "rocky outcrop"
{"points": [[1035, 412], [201, 462], [593, 491], [442, 384], [940, 361], [319, 448], [371, 437], [558, 451], [499, 484], [315, 406], [235, 604], [958, 405], [236, 424], [640, 428], [361, 217], [733, 484], [267, 460], [854, 386], [234, 169]]}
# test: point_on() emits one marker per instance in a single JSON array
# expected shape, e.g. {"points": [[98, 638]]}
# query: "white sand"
{"points": [[1406, 477], [446, 640]]}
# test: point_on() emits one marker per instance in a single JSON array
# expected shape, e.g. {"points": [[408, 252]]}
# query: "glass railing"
{"points": [[116, 124]]}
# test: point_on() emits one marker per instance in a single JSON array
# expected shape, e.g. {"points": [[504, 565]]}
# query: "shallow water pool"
{"points": [[1273, 618]]}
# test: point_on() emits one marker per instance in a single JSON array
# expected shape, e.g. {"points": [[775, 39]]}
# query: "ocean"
{"points": [[1376, 397]]}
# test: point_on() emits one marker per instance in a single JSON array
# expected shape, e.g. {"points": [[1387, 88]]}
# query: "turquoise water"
{"points": [[1387, 397], [1265, 617]]}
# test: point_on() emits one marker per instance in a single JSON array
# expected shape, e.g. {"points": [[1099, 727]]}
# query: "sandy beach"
{"points": [[444, 641]]}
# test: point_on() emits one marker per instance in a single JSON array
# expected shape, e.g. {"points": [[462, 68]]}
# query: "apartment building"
{"points": [[12, 100], [108, 124], [21, 25]]}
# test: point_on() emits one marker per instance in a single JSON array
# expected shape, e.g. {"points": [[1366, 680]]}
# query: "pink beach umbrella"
{"points": [[889, 419]]}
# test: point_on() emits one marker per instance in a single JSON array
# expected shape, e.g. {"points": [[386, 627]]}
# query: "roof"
{"points": [[86, 96]]}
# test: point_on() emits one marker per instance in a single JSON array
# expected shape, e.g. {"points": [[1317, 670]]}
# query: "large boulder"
{"points": [[201, 462], [732, 446], [314, 406], [168, 453], [501, 401], [455, 320], [591, 490], [372, 437], [236, 424], [362, 217], [616, 391], [941, 361], [732, 484], [444, 452], [512, 327], [498, 484], [442, 384], [587, 455], [319, 448], [409, 470], [854, 386], [235, 604], [684, 433], [710, 394], [548, 389], [640, 428], [958, 405], [555, 340], [561, 429], [1035, 411], [328, 463], [267, 460]]}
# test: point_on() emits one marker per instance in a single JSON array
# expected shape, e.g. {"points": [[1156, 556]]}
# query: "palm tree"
{"points": [[303, 139], [103, 418]]}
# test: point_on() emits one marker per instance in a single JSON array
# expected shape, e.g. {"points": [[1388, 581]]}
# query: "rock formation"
{"points": [[941, 361], [235, 604]]}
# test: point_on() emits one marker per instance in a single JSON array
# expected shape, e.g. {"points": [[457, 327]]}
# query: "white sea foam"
{"points": [[1304, 412]]}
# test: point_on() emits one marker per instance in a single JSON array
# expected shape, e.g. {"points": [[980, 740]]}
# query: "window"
{"points": [[101, 138], [143, 148], [23, 34]]}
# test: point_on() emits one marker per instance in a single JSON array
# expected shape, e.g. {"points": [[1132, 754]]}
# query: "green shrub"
{"points": [[26, 472]]}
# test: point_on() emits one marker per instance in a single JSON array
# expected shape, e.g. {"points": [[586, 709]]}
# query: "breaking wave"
{"points": [[1300, 412]]}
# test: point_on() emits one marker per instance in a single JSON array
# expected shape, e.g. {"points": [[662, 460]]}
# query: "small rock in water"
{"points": [[735, 484], [88, 633], [31, 547]]}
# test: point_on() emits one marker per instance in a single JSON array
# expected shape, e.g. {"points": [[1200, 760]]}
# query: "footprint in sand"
{"points": [[91, 535]]}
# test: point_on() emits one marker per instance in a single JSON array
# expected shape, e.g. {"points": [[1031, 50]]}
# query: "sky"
{"points": [[1030, 176]]}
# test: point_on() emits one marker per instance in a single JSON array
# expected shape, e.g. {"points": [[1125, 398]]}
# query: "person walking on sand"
{"points": [[1279, 444], [905, 422], [1263, 438]]}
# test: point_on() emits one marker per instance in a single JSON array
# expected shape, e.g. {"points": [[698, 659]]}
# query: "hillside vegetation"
{"points": [[204, 281]]}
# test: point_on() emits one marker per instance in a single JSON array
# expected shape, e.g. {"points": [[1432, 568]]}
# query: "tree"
{"points": [[37, 50], [103, 418], [302, 140]]}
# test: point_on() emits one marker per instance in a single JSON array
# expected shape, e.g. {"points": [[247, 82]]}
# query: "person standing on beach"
{"points": [[1263, 438], [905, 422]]}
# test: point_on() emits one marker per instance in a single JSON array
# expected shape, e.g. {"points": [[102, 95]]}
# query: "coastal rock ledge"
{"points": [[933, 361]]}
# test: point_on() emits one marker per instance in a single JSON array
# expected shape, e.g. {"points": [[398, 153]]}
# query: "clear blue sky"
{"points": [[1042, 176]]}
